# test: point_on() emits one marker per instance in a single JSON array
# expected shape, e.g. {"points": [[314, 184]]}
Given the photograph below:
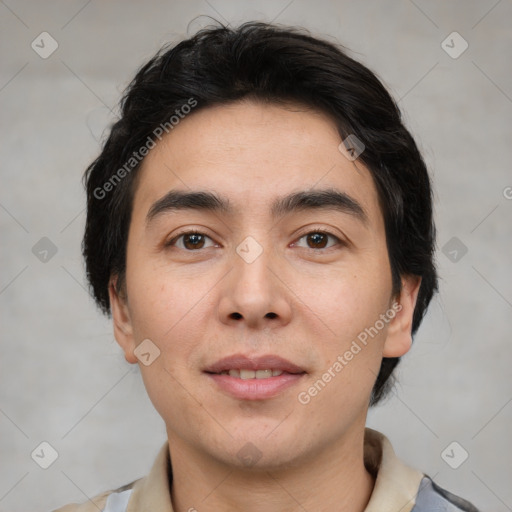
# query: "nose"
{"points": [[255, 293]]}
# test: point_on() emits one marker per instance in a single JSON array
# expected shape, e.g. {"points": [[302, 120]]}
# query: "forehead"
{"points": [[253, 153]]}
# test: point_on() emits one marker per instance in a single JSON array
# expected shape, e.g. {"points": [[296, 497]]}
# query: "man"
{"points": [[260, 228]]}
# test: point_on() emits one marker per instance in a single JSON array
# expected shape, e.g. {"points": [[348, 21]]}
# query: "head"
{"points": [[238, 133]]}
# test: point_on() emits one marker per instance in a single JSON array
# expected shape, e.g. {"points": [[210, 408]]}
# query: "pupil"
{"points": [[317, 238], [193, 239]]}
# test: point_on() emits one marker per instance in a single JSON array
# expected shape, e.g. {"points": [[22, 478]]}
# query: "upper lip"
{"points": [[243, 362]]}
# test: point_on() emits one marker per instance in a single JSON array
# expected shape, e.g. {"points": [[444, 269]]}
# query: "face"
{"points": [[255, 304]]}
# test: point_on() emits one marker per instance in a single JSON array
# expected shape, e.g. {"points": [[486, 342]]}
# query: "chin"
{"points": [[254, 449]]}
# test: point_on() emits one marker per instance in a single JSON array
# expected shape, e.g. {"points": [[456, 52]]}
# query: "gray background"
{"points": [[63, 377]]}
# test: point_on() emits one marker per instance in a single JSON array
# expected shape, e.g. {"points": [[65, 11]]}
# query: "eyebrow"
{"points": [[324, 199]]}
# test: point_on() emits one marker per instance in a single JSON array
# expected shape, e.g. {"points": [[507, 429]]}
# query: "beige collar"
{"points": [[397, 484]]}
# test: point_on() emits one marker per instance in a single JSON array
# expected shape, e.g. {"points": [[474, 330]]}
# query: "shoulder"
{"points": [[140, 494], [109, 501], [397, 483], [432, 497], [92, 505]]}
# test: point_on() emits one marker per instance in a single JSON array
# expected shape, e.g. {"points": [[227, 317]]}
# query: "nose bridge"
{"points": [[252, 275], [253, 293]]}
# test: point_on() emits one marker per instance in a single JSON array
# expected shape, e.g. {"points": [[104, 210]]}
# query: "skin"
{"points": [[183, 298]]}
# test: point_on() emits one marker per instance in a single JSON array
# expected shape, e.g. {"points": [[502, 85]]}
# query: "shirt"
{"points": [[398, 487]]}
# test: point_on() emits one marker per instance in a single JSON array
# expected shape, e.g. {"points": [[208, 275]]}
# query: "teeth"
{"points": [[252, 374], [263, 374]]}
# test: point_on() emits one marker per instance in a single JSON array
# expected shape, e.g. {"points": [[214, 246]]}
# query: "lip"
{"points": [[244, 362], [254, 389]]}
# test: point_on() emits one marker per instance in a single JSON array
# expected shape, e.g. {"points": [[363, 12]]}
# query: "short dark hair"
{"points": [[274, 64]]}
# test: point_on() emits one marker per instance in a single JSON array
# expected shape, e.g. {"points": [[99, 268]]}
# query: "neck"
{"points": [[334, 479]]}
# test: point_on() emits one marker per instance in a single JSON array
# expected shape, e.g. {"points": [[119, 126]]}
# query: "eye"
{"points": [[318, 239], [191, 240], [195, 240]]}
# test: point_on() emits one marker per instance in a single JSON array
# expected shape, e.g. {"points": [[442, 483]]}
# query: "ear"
{"points": [[123, 331], [399, 337]]}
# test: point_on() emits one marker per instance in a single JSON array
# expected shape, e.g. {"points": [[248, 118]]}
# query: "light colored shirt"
{"points": [[398, 487]]}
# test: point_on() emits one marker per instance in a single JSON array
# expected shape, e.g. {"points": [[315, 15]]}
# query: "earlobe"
{"points": [[123, 331], [399, 337]]}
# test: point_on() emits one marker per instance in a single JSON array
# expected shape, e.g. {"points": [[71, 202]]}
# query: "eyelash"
{"points": [[340, 242]]}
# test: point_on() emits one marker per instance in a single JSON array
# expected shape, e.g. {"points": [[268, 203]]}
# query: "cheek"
{"points": [[163, 310], [169, 309], [349, 302], [350, 306], [156, 299], [351, 358]]}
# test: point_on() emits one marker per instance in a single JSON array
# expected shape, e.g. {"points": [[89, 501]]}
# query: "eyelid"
{"points": [[308, 231], [312, 229], [190, 231]]}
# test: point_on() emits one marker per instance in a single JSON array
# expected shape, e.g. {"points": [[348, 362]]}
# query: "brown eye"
{"points": [[193, 241], [319, 240], [190, 241]]}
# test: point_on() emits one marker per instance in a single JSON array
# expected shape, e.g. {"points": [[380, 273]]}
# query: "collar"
{"points": [[395, 488], [396, 484]]}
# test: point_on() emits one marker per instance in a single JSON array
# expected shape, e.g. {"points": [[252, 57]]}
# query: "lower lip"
{"points": [[255, 389]]}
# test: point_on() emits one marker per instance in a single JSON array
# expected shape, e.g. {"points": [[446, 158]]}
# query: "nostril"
{"points": [[270, 315], [236, 316]]}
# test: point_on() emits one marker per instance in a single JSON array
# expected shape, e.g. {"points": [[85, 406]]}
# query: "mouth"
{"points": [[251, 374], [254, 378]]}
